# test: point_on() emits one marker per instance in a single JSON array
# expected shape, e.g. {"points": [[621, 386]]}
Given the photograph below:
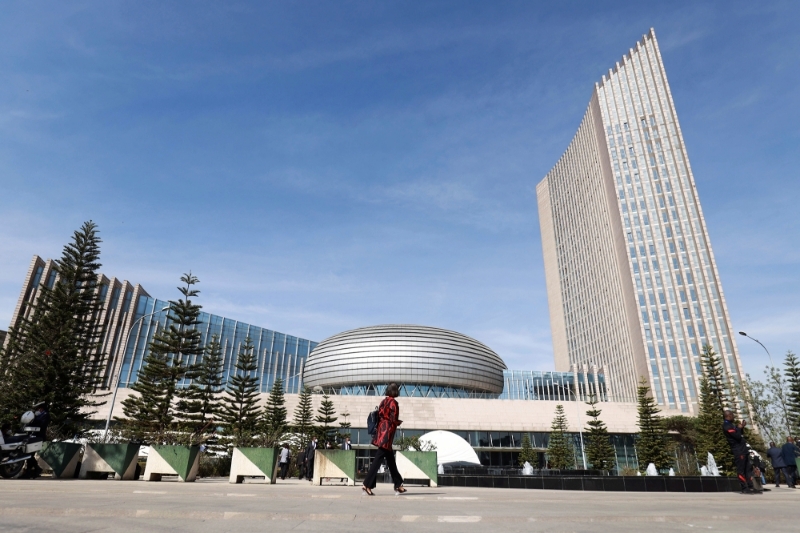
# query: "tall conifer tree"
{"points": [[200, 404], [599, 451], [303, 417], [152, 412], [55, 355], [344, 425], [527, 454], [792, 372], [325, 419], [651, 442], [717, 382], [560, 454], [714, 399], [275, 423], [240, 413]]}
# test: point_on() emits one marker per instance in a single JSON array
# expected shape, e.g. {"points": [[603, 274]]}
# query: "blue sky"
{"points": [[322, 166]]}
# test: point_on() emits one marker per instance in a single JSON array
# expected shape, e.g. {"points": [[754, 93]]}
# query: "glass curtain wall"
{"points": [[278, 355]]}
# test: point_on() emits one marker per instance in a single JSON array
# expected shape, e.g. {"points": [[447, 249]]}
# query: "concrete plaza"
{"points": [[214, 505]]}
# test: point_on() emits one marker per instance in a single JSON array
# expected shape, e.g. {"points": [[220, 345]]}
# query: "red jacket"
{"points": [[388, 416]]}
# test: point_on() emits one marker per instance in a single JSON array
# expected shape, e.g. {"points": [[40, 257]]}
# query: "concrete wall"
{"points": [[462, 414]]}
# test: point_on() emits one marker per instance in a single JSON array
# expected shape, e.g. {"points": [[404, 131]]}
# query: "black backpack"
{"points": [[372, 422]]}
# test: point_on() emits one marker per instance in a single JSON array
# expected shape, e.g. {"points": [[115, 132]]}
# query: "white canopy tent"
{"points": [[450, 448]]}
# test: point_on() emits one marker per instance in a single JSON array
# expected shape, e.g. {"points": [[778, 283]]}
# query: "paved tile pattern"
{"points": [[73, 506]]}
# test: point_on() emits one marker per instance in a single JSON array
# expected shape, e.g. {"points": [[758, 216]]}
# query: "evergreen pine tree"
{"points": [[599, 450], [560, 455], [792, 372], [239, 414], [651, 442], [713, 402], [713, 371], [325, 419], [275, 413], [527, 453], [150, 414], [199, 402], [344, 425], [54, 355], [303, 417]]}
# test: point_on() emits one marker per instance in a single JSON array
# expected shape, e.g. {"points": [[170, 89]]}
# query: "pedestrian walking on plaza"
{"points": [[775, 455], [311, 452], [283, 460], [741, 455], [790, 454], [346, 444], [388, 420]]}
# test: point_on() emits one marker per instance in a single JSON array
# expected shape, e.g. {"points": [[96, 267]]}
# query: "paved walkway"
{"points": [[214, 505]]}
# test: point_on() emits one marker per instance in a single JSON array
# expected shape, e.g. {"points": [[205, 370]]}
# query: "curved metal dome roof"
{"points": [[404, 354]]}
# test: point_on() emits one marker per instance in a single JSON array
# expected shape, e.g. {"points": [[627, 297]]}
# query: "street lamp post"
{"points": [[777, 382], [119, 371], [580, 427]]}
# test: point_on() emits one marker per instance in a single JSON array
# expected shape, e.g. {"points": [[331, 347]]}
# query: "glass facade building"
{"points": [[278, 354], [501, 448], [438, 365], [632, 284], [131, 317], [519, 385]]}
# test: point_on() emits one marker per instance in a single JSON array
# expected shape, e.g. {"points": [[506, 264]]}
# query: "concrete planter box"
{"points": [[254, 462], [117, 459], [418, 466], [60, 457], [335, 464], [181, 461]]}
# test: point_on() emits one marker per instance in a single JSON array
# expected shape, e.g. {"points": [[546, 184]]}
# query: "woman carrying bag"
{"points": [[388, 415]]}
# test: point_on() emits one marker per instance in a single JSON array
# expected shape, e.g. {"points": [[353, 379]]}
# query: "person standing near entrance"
{"points": [[311, 453], [283, 460], [741, 455], [301, 463], [388, 420], [346, 444]]}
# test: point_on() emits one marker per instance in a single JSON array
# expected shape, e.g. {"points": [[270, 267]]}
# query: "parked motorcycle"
{"points": [[18, 448]]}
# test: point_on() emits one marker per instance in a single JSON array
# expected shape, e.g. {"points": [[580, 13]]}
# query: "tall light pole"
{"points": [[578, 410], [119, 370], [777, 382]]}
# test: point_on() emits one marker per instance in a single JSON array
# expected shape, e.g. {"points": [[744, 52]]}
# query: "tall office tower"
{"points": [[632, 284]]}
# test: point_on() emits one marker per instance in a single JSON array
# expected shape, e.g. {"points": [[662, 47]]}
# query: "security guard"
{"points": [[741, 454]]}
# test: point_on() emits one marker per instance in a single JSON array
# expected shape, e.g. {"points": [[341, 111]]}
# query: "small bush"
{"points": [[214, 466]]}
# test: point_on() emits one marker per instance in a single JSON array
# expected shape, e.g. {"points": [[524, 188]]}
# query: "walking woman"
{"points": [[388, 420]]}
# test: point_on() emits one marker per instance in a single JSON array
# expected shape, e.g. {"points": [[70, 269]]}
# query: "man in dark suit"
{"points": [[346, 444], [311, 451], [790, 454], [776, 458]]}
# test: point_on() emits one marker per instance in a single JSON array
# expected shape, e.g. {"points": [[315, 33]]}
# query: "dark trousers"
{"points": [[791, 475], [372, 474], [284, 468], [309, 469], [778, 471], [744, 470]]}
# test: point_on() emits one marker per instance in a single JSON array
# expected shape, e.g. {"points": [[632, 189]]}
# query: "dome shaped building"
{"points": [[425, 361]]}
